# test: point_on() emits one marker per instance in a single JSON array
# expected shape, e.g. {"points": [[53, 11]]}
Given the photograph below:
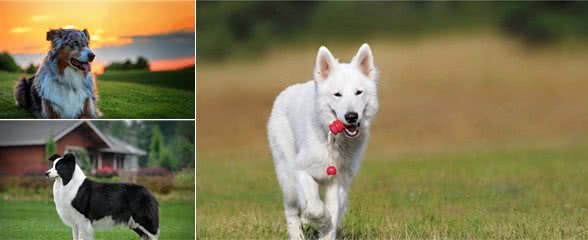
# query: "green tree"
{"points": [[167, 161], [142, 63], [183, 152], [7, 63], [83, 160], [127, 65], [156, 147], [31, 69], [50, 147]]}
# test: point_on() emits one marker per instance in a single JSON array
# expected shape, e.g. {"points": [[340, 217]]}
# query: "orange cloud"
{"points": [[39, 18], [20, 30], [171, 64], [27, 22]]}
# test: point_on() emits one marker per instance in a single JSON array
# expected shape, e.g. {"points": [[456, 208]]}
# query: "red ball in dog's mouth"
{"points": [[84, 66]]}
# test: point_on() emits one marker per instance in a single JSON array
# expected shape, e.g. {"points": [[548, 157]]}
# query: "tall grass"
{"points": [[500, 194]]}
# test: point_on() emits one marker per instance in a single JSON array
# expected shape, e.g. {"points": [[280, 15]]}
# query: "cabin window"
{"points": [[119, 161]]}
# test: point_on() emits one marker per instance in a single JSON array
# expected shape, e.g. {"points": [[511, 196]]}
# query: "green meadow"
{"points": [[127, 95], [39, 220]]}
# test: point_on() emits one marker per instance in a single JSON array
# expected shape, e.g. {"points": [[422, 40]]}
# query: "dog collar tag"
{"points": [[336, 127], [331, 170]]}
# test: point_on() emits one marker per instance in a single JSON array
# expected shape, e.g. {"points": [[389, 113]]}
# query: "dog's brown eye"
{"points": [[358, 92], [337, 94]]}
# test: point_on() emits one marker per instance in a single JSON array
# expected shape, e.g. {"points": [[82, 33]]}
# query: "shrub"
{"points": [[154, 171], [185, 179], [159, 184], [114, 179], [105, 172], [34, 183]]}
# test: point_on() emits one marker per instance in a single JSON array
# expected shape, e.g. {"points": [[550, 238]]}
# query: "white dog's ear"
{"points": [[364, 60], [324, 64]]}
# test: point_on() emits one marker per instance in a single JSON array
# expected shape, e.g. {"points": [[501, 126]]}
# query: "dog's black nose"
{"points": [[91, 56], [351, 117], [47, 174]]}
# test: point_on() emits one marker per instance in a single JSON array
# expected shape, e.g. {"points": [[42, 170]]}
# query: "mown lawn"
{"points": [[537, 193], [39, 220], [125, 95]]}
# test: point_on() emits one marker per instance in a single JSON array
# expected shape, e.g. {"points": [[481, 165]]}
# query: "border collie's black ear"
{"points": [[54, 157], [53, 33], [69, 156], [87, 34]]}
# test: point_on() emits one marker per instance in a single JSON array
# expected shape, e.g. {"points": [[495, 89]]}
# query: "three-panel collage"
{"points": [[180, 120]]}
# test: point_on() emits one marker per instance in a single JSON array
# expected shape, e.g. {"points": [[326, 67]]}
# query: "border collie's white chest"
{"points": [[63, 196]]}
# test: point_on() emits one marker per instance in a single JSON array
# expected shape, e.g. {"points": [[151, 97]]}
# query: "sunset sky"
{"points": [[162, 31]]}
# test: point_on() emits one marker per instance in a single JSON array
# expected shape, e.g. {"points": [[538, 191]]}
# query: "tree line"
{"points": [[8, 64], [169, 144], [140, 64], [236, 29]]}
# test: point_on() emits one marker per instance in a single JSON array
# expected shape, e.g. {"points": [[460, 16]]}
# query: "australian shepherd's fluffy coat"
{"points": [[63, 86]]}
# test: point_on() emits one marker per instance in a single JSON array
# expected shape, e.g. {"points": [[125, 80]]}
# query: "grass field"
{"points": [[170, 79], [477, 137], [500, 194], [39, 220], [136, 94]]}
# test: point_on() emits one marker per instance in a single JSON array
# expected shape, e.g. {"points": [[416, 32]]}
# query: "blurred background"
{"points": [[482, 129]]}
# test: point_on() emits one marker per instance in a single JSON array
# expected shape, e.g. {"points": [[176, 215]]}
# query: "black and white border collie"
{"points": [[84, 204]]}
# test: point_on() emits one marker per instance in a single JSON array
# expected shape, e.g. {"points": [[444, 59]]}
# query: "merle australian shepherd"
{"points": [[63, 86], [84, 204]]}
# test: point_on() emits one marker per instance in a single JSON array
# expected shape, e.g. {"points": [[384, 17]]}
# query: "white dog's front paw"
{"points": [[298, 235], [304, 220], [331, 235], [314, 211], [328, 236]]}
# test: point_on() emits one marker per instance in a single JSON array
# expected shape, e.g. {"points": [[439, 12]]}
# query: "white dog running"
{"points": [[298, 133]]}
